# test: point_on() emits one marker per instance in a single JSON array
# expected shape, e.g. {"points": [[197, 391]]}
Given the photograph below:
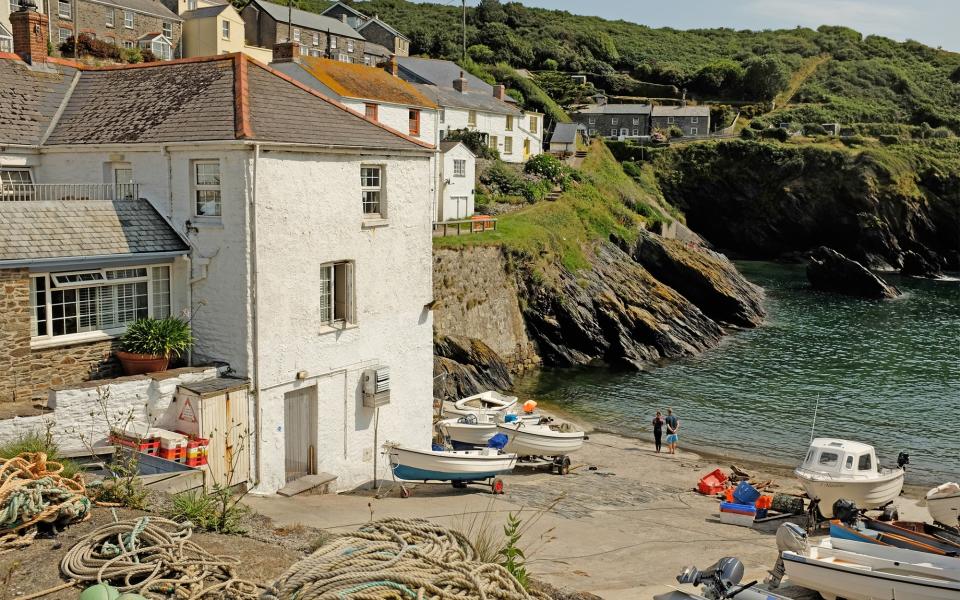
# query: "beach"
{"points": [[621, 525]]}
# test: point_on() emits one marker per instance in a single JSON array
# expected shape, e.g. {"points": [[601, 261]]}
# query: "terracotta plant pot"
{"points": [[138, 364]]}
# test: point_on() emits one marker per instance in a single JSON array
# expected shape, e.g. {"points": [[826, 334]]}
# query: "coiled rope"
{"points": [[154, 557], [33, 491], [397, 559]]}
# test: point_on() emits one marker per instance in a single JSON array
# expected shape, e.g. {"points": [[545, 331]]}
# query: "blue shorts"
{"points": [[673, 438]]}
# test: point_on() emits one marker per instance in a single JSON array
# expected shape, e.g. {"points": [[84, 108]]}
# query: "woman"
{"points": [[657, 429]]}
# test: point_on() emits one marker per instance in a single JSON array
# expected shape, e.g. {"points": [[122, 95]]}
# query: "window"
{"points": [[109, 17], [534, 123], [366, 61], [316, 39], [592, 120], [670, 120], [206, 186], [128, 19], [63, 34], [225, 30], [443, 115], [344, 57], [336, 294], [592, 132], [864, 463], [848, 464], [636, 132], [472, 118], [127, 44], [828, 459], [168, 30], [123, 180], [64, 10], [613, 132], [493, 142], [349, 45], [296, 34], [509, 126], [694, 119], [693, 131], [371, 111], [508, 145], [636, 120], [191, 4], [14, 177], [333, 42], [304, 50], [371, 182], [315, 52], [14, 5], [414, 121], [98, 300], [110, 40], [615, 121], [459, 167], [160, 47]]}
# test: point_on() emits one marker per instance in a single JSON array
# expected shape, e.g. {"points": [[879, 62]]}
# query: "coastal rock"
{"points": [[704, 277], [916, 265], [830, 271], [466, 366]]}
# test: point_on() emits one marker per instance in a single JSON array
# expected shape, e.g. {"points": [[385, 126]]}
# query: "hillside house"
{"points": [[466, 102], [145, 24], [619, 121], [372, 28], [564, 138], [266, 24], [458, 172], [693, 121], [297, 241]]}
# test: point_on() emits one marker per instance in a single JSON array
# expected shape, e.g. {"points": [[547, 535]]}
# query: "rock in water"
{"points": [[917, 266], [830, 271], [465, 366], [708, 280]]}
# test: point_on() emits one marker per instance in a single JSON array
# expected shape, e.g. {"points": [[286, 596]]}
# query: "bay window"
{"points": [[97, 300]]}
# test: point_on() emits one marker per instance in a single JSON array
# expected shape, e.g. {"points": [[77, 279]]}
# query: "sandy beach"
{"points": [[621, 525]]}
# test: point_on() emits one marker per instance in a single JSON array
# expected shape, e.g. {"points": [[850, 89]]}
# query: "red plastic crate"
{"points": [[712, 483], [175, 454], [196, 462], [147, 447]]}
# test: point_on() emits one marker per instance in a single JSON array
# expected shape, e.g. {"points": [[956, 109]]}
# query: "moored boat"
{"points": [[467, 432], [528, 438], [483, 403], [840, 469], [449, 465], [943, 502]]}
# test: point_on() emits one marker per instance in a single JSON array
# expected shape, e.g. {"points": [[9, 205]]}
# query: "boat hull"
{"points": [[437, 465], [945, 510], [866, 493], [839, 580], [539, 440], [467, 434]]}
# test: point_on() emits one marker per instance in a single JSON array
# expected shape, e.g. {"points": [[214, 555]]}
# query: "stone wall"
{"points": [[476, 297], [25, 373], [91, 17]]}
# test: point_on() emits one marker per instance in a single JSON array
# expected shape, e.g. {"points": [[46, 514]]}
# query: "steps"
{"points": [[553, 195], [581, 154], [315, 484]]}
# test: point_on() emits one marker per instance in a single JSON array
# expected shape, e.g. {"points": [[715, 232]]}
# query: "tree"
{"points": [[480, 53], [718, 76], [490, 11], [765, 77], [552, 65], [601, 46]]}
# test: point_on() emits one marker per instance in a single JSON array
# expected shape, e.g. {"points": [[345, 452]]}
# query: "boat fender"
{"points": [[100, 591]]}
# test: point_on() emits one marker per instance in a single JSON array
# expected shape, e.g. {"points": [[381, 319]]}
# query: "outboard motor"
{"points": [[846, 511], [718, 578], [903, 459], [790, 537]]}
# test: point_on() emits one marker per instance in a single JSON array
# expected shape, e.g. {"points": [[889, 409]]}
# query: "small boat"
{"points": [[910, 536], [840, 469], [482, 403], [943, 502], [719, 580], [527, 438], [467, 431], [449, 465]]}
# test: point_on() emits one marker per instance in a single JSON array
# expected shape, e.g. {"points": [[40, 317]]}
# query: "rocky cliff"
{"points": [[882, 206]]}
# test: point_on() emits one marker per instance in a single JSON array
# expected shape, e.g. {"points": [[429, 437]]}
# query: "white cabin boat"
{"points": [[835, 469], [480, 404], [448, 465], [467, 431], [943, 502], [528, 438]]}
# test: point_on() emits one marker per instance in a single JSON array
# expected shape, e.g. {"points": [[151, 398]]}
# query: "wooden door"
{"points": [[224, 421], [300, 427]]}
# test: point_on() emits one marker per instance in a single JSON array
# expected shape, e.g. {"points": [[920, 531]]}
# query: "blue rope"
{"points": [[389, 584]]}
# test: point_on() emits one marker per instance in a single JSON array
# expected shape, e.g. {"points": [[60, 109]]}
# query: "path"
{"points": [[806, 70]]}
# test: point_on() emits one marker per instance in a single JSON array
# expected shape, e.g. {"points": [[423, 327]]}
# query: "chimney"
{"points": [[29, 33], [460, 84], [601, 99], [392, 67], [499, 91], [343, 17], [285, 52]]}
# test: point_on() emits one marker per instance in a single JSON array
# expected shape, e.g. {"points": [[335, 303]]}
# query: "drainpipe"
{"points": [[258, 417]]}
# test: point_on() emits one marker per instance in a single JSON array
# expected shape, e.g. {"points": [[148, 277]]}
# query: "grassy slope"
{"points": [[606, 202], [806, 70]]}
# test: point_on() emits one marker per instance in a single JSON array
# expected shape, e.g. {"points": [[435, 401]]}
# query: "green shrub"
{"points": [[889, 140], [759, 124], [675, 132], [473, 140], [552, 65], [748, 134], [503, 180], [217, 510], [814, 129], [775, 133], [33, 442], [547, 166], [625, 151], [131, 55], [853, 140], [168, 337], [632, 169]]}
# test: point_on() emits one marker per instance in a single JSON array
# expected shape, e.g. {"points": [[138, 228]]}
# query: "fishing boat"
{"points": [[467, 431], [449, 465], [943, 502], [527, 438], [480, 404], [840, 469], [910, 536]]}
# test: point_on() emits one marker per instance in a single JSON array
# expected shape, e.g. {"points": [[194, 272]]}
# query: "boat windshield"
{"points": [[828, 459], [865, 463]]}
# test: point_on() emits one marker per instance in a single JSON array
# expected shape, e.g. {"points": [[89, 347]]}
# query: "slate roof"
{"points": [[681, 111], [29, 100], [50, 229], [441, 73], [150, 7], [349, 80], [206, 11], [307, 19], [471, 100], [384, 25], [376, 49], [565, 133], [447, 146], [616, 109], [347, 7]]}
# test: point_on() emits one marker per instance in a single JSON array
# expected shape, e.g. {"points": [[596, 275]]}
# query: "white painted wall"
{"points": [[452, 186], [496, 125], [396, 116], [303, 222]]}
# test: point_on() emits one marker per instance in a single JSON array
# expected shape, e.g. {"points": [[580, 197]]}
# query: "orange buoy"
{"points": [[529, 406]]}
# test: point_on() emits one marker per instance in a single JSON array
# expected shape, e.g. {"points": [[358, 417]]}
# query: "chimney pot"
{"points": [[392, 67], [343, 17], [29, 33], [460, 84], [286, 52], [499, 91]]}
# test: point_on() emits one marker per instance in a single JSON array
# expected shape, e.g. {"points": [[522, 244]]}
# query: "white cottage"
{"points": [[457, 176], [295, 235]]}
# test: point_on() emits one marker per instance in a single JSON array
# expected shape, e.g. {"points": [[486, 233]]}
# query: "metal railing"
{"points": [[69, 191], [478, 224]]}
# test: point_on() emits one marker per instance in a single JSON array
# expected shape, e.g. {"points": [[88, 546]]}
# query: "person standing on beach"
{"points": [[673, 428], [657, 429]]}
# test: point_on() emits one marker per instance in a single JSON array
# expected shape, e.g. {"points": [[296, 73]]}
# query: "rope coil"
{"points": [[397, 559]]}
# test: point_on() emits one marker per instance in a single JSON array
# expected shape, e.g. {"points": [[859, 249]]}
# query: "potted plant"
{"points": [[149, 344]]}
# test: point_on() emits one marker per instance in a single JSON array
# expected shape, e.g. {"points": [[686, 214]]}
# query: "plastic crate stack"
{"points": [[138, 436], [197, 451], [173, 445]]}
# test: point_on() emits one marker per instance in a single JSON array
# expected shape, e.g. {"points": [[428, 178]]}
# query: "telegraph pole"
{"points": [[464, 29], [290, 22]]}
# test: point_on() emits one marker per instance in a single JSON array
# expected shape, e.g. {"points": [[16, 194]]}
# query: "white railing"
{"points": [[69, 191]]}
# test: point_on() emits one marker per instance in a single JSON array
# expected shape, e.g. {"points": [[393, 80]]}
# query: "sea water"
{"points": [[886, 373]]}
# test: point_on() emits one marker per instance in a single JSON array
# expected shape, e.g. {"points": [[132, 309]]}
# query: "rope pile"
{"points": [[154, 557], [32, 491], [397, 559]]}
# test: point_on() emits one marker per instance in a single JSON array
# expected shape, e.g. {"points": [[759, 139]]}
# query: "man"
{"points": [[673, 428]]}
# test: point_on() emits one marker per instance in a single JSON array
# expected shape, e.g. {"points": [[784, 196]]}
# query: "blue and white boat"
{"points": [[411, 464]]}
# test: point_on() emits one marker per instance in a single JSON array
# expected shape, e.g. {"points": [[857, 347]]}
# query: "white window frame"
{"points": [[508, 144], [693, 131], [336, 313], [459, 167], [197, 187], [471, 118], [128, 19], [158, 295], [166, 28], [508, 123], [296, 35], [636, 120], [534, 124], [494, 142], [614, 132], [592, 132], [18, 187], [316, 39], [191, 4], [636, 133], [333, 42], [671, 120], [344, 57], [349, 45], [65, 14], [591, 120], [225, 29], [694, 119], [373, 184], [61, 37], [127, 44], [111, 17], [615, 121]]}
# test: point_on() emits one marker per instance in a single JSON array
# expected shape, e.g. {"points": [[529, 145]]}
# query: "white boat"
{"points": [[853, 576], [467, 431], [527, 438], [448, 465], [483, 403], [835, 469], [943, 502], [947, 564]]}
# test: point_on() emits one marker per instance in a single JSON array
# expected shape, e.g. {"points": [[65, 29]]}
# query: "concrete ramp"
{"points": [[315, 484]]}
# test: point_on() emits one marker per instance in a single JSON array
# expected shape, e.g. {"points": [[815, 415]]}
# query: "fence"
{"points": [[69, 191], [477, 224]]}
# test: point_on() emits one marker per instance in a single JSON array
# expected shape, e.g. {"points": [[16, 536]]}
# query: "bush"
{"points": [[88, 46], [759, 124], [502, 180], [853, 140], [552, 65], [217, 511], [776, 133], [889, 140], [474, 141], [168, 337], [814, 129], [624, 151], [546, 166], [631, 168], [748, 134], [131, 55], [675, 132], [34, 442]]}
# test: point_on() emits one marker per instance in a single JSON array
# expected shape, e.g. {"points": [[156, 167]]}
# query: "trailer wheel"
{"points": [[404, 492], [564, 466], [497, 486], [459, 484]]}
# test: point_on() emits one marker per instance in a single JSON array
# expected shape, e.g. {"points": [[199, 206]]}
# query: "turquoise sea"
{"points": [[886, 373]]}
